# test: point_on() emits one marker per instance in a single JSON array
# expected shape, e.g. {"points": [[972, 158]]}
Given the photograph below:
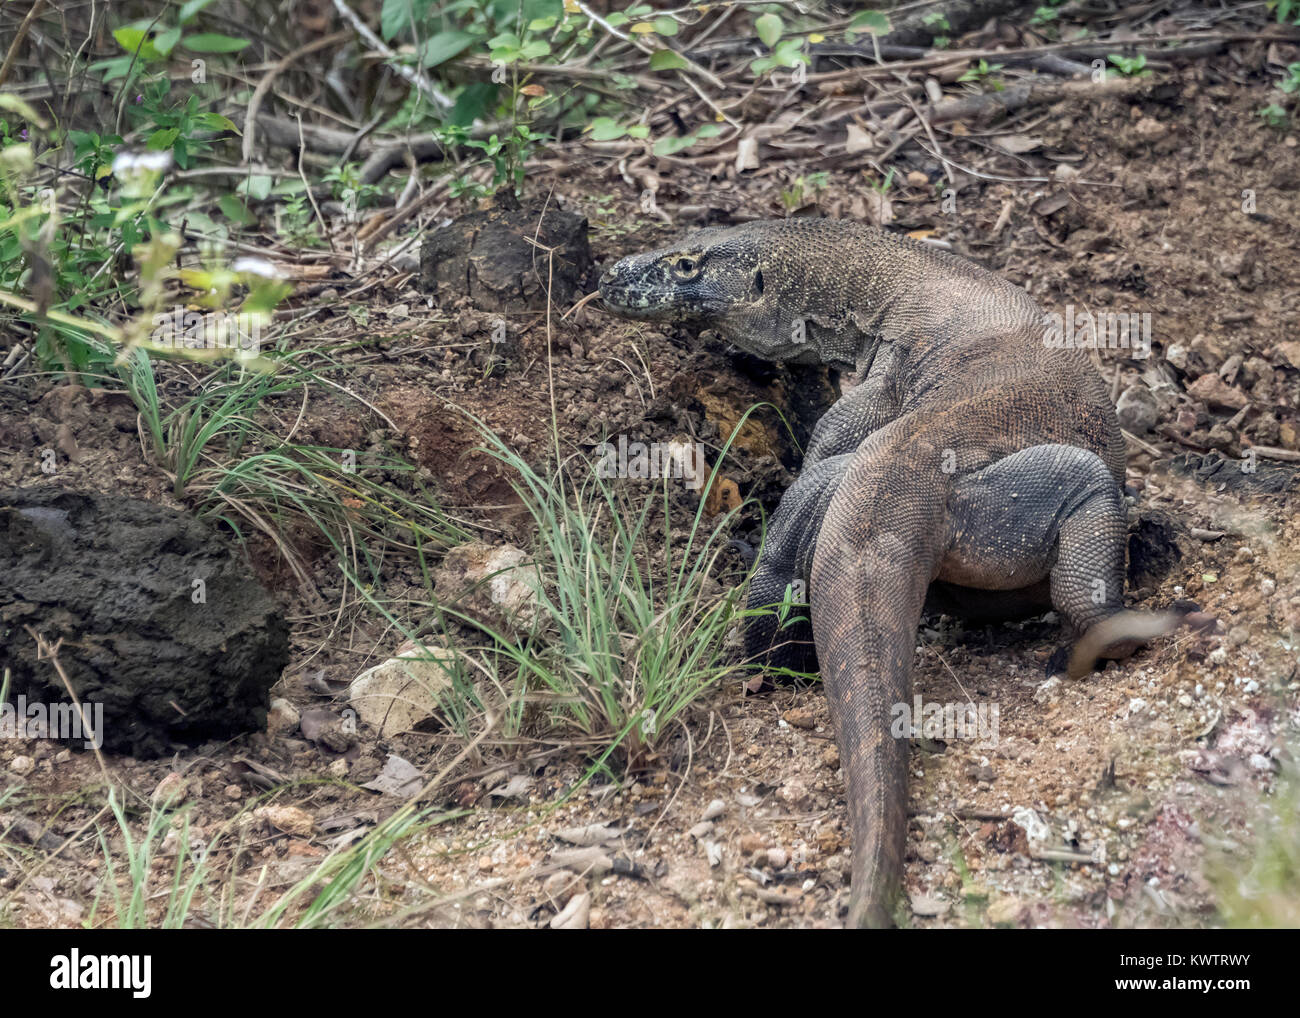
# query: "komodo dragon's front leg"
{"points": [[783, 639]]}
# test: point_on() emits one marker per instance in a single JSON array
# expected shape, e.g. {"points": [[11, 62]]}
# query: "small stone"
{"points": [[800, 717], [1137, 409], [170, 790], [233, 792], [831, 757], [1214, 391], [751, 843], [339, 768], [22, 765], [287, 819], [714, 810], [928, 907], [777, 858], [282, 716], [1004, 909], [793, 793]]}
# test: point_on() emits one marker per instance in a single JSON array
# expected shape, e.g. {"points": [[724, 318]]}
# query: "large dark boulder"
{"points": [[160, 619]]}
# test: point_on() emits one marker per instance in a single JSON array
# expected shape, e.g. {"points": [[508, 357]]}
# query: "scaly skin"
{"points": [[969, 456]]}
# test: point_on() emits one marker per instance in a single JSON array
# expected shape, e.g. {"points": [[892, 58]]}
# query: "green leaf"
{"points": [[875, 22], [236, 211], [257, 186], [606, 129], [665, 26], [444, 46], [542, 24], [166, 39], [393, 17], [535, 48], [708, 131], [672, 145], [666, 60], [216, 122], [163, 139], [638, 131], [190, 8], [213, 42], [506, 40], [769, 28], [137, 39], [473, 102], [789, 53]]}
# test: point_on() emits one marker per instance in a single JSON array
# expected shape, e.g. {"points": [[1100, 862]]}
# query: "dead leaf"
{"points": [[858, 140], [589, 834], [399, 777], [746, 154], [1017, 144]]}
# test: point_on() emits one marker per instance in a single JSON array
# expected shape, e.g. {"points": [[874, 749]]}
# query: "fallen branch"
{"points": [[264, 86]]}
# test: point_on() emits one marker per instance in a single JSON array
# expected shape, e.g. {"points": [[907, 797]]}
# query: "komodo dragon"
{"points": [[969, 454]]}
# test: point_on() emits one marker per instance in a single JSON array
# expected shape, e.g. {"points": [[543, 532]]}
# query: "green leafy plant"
{"points": [[787, 52], [1290, 82], [1046, 13], [1129, 67], [804, 189], [1274, 116], [985, 73], [1287, 12], [938, 23], [672, 144]]}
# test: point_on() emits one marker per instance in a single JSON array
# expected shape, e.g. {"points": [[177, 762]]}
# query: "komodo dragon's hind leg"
{"points": [[1050, 510], [780, 584]]}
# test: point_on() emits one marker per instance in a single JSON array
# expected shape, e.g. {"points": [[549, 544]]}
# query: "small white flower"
{"points": [[127, 163], [257, 267]]}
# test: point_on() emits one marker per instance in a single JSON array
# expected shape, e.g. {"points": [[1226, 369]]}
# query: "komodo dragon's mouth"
{"points": [[632, 298]]}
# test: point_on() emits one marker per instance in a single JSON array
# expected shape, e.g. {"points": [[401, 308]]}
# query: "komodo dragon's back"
{"points": [[967, 453]]}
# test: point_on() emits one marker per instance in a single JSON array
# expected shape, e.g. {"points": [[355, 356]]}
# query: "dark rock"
{"points": [[499, 258], [114, 578]]}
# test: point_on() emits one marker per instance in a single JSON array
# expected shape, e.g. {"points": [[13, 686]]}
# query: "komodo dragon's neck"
{"points": [[819, 290], [889, 289]]}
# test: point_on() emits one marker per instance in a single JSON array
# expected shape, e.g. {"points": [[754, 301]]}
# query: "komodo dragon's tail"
{"points": [[875, 556]]}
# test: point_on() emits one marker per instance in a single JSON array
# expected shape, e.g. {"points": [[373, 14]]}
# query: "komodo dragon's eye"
{"points": [[685, 267]]}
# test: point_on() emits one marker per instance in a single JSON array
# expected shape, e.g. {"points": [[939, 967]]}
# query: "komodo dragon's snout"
{"points": [[972, 460], [711, 275]]}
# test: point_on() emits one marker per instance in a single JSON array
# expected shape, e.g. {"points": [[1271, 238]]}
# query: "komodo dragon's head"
{"points": [[776, 288]]}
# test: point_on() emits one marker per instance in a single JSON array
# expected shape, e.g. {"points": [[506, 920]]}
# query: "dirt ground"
{"points": [[1108, 802]]}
